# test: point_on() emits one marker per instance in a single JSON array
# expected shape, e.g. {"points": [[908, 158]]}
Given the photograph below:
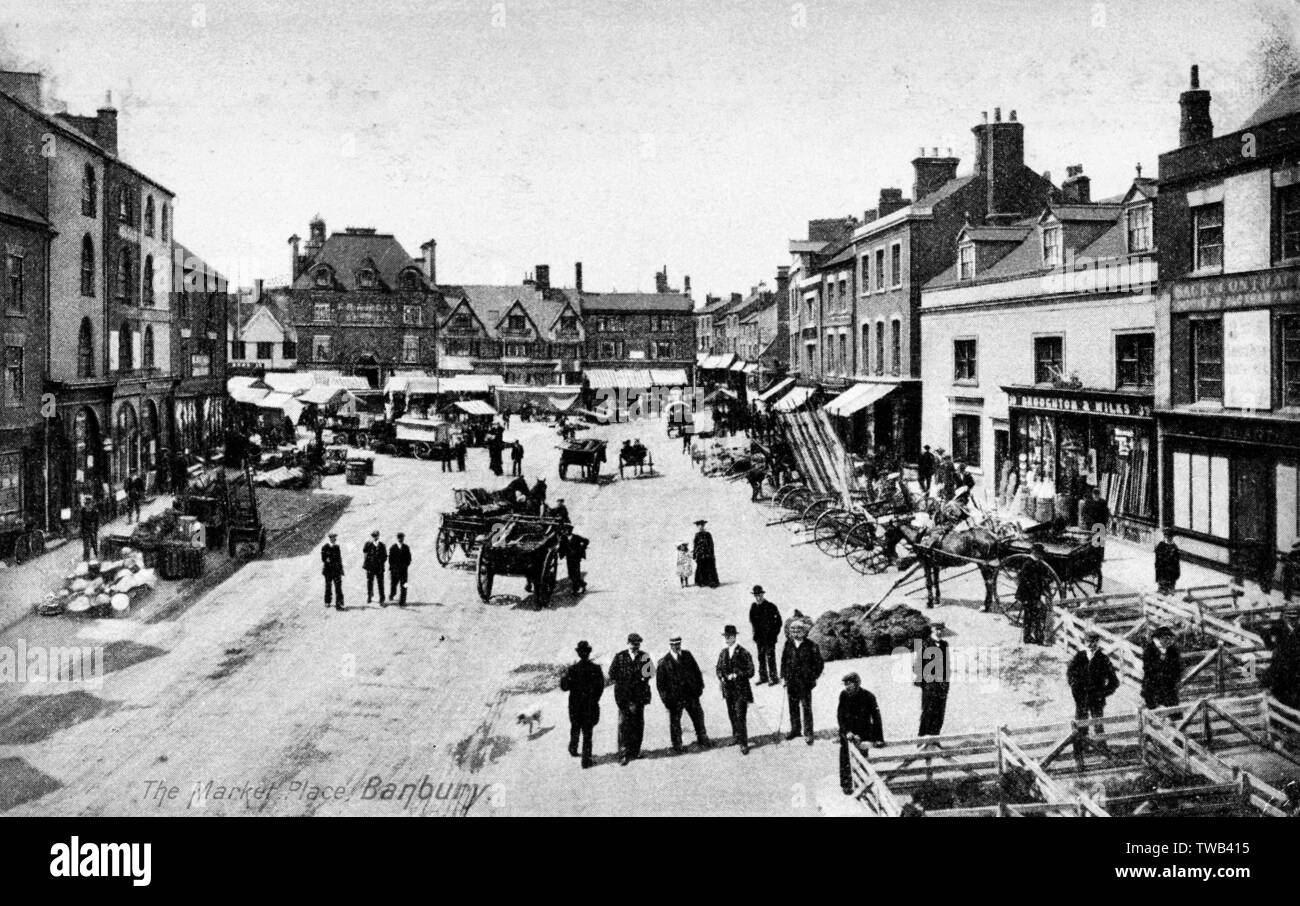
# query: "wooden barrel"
{"points": [[356, 471]]}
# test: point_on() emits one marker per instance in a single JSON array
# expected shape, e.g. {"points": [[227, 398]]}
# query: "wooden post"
{"points": [[1218, 680]]}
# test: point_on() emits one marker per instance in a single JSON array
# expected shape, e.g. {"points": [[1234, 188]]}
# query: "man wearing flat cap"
{"points": [[331, 559], [585, 684], [859, 721], [631, 671], [1161, 670], [766, 621], [706, 567], [1092, 680], [373, 557], [734, 670], [680, 685]]}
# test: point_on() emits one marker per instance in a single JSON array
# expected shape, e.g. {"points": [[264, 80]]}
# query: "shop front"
{"points": [[1230, 487], [1066, 441]]}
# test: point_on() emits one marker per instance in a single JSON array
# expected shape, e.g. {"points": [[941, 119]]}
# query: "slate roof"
{"points": [[1283, 102], [16, 208], [636, 302], [345, 254]]}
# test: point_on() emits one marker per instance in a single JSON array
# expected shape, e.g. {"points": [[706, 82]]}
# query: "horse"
{"points": [[956, 548]]}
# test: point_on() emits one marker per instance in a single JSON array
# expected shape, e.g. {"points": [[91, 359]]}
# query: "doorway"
{"points": [[1001, 451], [1252, 511]]}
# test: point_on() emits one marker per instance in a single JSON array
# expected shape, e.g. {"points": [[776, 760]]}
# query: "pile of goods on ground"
{"points": [[1014, 786], [858, 631], [102, 589]]}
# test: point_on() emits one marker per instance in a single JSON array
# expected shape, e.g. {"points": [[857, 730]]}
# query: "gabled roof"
{"points": [[1283, 102], [1010, 233], [922, 207], [1142, 188], [1092, 213], [11, 206], [458, 302], [636, 302], [346, 253]]}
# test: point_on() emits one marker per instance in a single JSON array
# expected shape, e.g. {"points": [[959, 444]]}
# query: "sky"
{"points": [[625, 134]]}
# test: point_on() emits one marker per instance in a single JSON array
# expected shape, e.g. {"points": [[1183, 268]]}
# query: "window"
{"points": [[15, 300], [1049, 359], [148, 280], [290, 349], [265, 350], [11, 484], [410, 281], [1207, 236], [866, 273], [125, 348], [966, 261], [148, 215], [238, 349], [844, 353], [87, 266], [200, 364], [322, 277], [366, 278], [1288, 202], [515, 350], [517, 323], [569, 324], [611, 349], [410, 349], [844, 295], [320, 312], [829, 348], [86, 350], [14, 386], [1139, 228], [896, 347], [663, 349], [412, 315], [963, 362], [1051, 246], [966, 439], [146, 355], [322, 346], [1199, 486], [880, 347], [125, 206], [865, 347], [89, 191], [1290, 329], [1135, 360], [462, 323], [124, 274], [165, 225], [1207, 359], [880, 268], [896, 263]]}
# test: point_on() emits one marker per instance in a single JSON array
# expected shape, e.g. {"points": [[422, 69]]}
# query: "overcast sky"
{"points": [[701, 134]]}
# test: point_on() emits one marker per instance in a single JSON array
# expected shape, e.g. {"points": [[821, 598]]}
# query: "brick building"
{"points": [[200, 304]]}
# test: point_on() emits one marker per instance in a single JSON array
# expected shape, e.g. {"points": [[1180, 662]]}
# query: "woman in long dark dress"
{"points": [[706, 567]]}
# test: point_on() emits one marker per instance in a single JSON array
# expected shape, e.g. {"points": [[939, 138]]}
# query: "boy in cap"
{"points": [[373, 557], [858, 716], [734, 669], [766, 622], [585, 684], [631, 671], [1032, 586], [331, 559], [706, 567]]}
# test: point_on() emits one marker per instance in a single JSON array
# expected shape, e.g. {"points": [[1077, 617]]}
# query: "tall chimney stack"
{"points": [[1077, 188], [294, 260], [430, 250], [1000, 155], [1195, 125], [106, 125], [686, 286], [577, 276], [542, 277], [25, 86], [932, 173]]}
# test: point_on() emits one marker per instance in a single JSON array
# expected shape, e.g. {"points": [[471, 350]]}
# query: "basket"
{"points": [[356, 471]]}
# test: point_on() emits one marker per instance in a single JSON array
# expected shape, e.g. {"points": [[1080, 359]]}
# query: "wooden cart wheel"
{"points": [[1006, 581], [423, 450], [814, 510], [863, 551], [37, 542], [483, 575], [443, 546], [546, 584], [829, 531], [22, 549]]}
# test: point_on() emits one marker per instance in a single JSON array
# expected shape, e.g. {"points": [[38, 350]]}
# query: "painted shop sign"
{"points": [[1264, 433], [1274, 287], [1089, 406]]}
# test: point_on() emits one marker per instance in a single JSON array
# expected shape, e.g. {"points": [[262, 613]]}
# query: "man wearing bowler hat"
{"points": [[331, 559], [585, 684], [631, 671], [706, 567], [735, 668], [680, 686], [766, 621]]}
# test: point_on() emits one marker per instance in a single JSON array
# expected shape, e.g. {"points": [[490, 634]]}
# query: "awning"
{"points": [[668, 377], [324, 395], [551, 399], [475, 407], [471, 383], [352, 382], [283, 402], [794, 399], [246, 390], [857, 398], [701, 358], [721, 392], [624, 378], [456, 363], [414, 384], [751, 368], [738, 365], [290, 382], [776, 390]]}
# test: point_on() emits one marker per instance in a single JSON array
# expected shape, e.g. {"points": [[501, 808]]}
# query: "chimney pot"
{"points": [[986, 115], [1196, 76], [1013, 116], [108, 99], [997, 114]]}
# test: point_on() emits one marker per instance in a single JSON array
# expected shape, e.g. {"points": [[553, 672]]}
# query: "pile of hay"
{"points": [[852, 632], [102, 589]]}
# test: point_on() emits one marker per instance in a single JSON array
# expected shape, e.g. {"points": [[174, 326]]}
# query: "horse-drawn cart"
{"points": [[477, 511], [521, 546], [1073, 561], [636, 457], [587, 455]]}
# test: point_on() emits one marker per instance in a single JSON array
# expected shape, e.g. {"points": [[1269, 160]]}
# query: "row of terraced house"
{"points": [[1146, 343]]}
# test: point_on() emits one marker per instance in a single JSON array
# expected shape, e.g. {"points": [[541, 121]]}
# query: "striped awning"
{"points": [[471, 383], [857, 398], [624, 378], [794, 399], [668, 377], [776, 390], [475, 407]]}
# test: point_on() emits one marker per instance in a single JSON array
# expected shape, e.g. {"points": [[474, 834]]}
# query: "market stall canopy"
{"points": [[738, 365], [780, 387], [719, 362], [751, 368], [284, 402], [625, 378], [857, 398], [322, 395], [668, 377], [794, 399], [355, 383], [459, 363], [291, 382], [474, 407], [471, 383], [556, 398], [700, 359], [246, 389], [413, 384], [720, 393]]}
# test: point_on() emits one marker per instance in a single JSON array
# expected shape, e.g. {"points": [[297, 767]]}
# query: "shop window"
{"points": [[964, 362], [1049, 359], [1291, 360], [1207, 359], [1207, 236], [1199, 489], [966, 439], [1135, 360]]}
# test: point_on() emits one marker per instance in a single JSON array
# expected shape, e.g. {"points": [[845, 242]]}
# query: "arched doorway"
{"points": [[89, 461], [151, 440], [126, 444], [367, 366]]}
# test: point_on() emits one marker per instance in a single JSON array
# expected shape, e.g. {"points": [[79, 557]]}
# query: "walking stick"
{"points": [[780, 719]]}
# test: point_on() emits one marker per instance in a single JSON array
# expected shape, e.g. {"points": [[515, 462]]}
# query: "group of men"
{"points": [[375, 558], [939, 468]]}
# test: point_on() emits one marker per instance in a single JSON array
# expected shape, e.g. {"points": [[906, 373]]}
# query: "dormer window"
{"points": [[966, 261], [517, 323], [569, 324], [1139, 228], [366, 278], [410, 281], [322, 277], [1051, 246]]}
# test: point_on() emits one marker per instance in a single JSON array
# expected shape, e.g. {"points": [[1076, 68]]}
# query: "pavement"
{"points": [[257, 699]]}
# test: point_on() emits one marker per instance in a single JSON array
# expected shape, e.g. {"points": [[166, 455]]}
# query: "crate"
{"points": [[180, 561]]}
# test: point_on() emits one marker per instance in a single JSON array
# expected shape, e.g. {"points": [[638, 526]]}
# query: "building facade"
{"points": [[200, 306], [1228, 332]]}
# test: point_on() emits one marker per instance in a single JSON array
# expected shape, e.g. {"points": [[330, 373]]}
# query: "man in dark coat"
{"points": [[858, 716], [1161, 670], [373, 557], [331, 559], [706, 567], [134, 495], [516, 458], [932, 675], [561, 512], [1033, 587], [766, 621], [1283, 678], [89, 530], [925, 469], [459, 451], [1168, 564], [1092, 680], [494, 455], [1096, 519], [801, 665], [734, 670], [755, 477], [680, 685], [631, 672], [575, 551], [399, 562], [585, 684]]}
